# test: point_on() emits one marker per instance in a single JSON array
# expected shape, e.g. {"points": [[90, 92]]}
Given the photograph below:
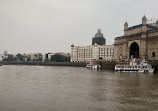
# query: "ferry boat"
{"points": [[93, 65], [143, 66]]}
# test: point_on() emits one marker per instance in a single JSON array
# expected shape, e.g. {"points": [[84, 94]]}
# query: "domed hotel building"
{"points": [[99, 50]]}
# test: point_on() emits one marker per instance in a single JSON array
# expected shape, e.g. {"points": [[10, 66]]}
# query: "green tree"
{"points": [[10, 57], [19, 57], [59, 58], [40, 57]]}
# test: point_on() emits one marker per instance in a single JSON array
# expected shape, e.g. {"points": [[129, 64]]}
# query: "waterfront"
{"points": [[52, 88]]}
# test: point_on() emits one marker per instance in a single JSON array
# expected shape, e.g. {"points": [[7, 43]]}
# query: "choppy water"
{"points": [[24, 88]]}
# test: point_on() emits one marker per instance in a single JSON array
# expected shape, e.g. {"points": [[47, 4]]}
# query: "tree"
{"points": [[19, 57], [10, 57], [40, 57], [59, 58]]}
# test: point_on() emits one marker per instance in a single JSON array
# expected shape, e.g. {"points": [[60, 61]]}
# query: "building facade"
{"points": [[49, 55], [140, 41], [33, 57], [92, 52]]}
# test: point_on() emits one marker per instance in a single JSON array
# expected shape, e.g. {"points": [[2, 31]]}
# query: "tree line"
{"points": [[37, 58]]}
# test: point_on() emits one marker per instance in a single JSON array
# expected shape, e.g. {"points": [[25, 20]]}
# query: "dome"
{"points": [[99, 38], [72, 45], [99, 34]]}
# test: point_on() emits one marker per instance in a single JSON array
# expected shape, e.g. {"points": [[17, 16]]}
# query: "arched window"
{"points": [[153, 54]]}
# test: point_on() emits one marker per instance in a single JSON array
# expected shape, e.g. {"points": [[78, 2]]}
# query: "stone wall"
{"points": [[133, 31]]}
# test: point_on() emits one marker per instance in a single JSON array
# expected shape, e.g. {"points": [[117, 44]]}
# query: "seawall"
{"points": [[105, 65], [73, 64]]}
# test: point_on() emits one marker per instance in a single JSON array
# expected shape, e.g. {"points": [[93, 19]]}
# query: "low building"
{"points": [[48, 56], [34, 57]]}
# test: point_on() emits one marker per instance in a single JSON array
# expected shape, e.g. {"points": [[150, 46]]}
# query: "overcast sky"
{"points": [[53, 25]]}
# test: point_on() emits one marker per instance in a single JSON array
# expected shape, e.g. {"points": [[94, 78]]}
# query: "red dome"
{"points": [[72, 45]]}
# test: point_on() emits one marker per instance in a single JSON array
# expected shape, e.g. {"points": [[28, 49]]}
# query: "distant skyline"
{"points": [[31, 26]]}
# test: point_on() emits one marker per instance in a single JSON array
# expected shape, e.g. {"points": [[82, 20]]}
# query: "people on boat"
{"points": [[133, 66]]}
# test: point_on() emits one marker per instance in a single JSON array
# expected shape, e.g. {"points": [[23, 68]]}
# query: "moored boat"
{"points": [[37, 66], [143, 66], [93, 65]]}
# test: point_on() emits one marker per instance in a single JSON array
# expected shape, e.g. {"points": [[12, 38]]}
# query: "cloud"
{"points": [[52, 25]]}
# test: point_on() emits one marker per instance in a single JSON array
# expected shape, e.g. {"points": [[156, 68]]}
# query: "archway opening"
{"points": [[134, 50], [153, 54]]}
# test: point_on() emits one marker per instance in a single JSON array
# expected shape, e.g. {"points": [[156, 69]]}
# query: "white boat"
{"points": [[93, 65], [37, 66], [134, 67]]}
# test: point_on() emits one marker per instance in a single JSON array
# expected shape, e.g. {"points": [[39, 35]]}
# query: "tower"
{"points": [[125, 28], [99, 38], [157, 23], [143, 42], [72, 53], [144, 20]]}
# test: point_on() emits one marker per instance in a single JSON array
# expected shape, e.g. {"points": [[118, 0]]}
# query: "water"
{"points": [[24, 88]]}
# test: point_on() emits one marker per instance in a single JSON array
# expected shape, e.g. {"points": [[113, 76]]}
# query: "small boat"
{"points": [[37, 66], [93, 65], [143, 66]]}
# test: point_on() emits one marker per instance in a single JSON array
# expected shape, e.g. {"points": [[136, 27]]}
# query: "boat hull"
{"points": [[116, 70], [134, 67], [92, 65]]}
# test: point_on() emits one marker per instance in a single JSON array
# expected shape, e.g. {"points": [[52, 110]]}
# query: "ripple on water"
{"points": [[23, 88]]}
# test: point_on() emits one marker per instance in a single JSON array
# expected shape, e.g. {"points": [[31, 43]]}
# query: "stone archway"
{"points": [[134, 50]]}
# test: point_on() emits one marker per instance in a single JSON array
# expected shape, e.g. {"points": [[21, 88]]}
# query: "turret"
{"points": [[72, 46], [72, 53], [125, 26], [157, 23], [144, 26], [144, 20]]}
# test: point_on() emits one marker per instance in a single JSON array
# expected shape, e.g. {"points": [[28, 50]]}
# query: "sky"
{"points": [[32, 26]]}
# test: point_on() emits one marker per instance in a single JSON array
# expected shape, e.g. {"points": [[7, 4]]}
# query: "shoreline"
{"points": [[72, 64], [105, 65]]}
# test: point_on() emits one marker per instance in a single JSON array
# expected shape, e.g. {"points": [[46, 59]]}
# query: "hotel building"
{"points": [[99, 50]]}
